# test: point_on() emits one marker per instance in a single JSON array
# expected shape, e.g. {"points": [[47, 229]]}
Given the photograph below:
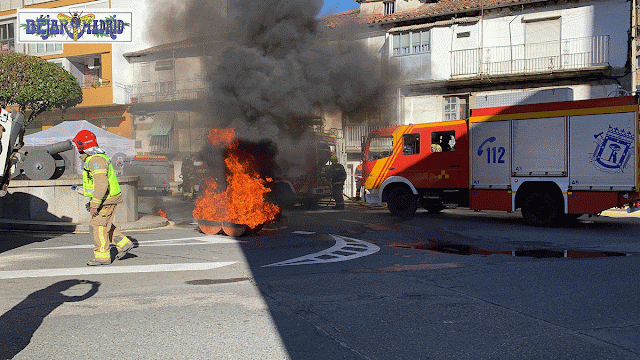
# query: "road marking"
{"points": [[353, 221], [113, 269], [304, 232], [200, 240], [345, 249], [274, 229]]}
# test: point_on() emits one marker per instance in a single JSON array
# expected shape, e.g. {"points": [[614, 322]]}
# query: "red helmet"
{"points": [[85, 139]]}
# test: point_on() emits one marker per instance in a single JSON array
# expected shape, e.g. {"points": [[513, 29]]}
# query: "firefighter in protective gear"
{"points": [[100, 183], [337, 175], [189, 177], [357, 175]]}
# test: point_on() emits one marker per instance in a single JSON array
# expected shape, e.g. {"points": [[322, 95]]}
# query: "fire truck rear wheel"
{"points": [[401, 202], [541, 209]]}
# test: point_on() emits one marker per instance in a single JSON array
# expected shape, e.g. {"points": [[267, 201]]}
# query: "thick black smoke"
{"points": [[272, 67]]}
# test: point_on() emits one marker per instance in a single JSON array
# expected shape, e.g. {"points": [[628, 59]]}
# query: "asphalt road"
{"points": [[325, 284]]}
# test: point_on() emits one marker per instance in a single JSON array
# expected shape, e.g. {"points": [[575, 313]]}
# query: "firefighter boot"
{"points": [[100, 258], [123, 247]]}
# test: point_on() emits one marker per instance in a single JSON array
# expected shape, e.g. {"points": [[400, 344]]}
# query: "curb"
{"points": [[146, 222]]}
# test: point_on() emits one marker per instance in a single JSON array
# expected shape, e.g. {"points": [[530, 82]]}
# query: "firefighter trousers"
{"points": [[336, 192], [105, 233]]}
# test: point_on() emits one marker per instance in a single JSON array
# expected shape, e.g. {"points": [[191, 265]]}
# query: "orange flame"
{"points": [[243, 201], [221, 136], [162, 213]]}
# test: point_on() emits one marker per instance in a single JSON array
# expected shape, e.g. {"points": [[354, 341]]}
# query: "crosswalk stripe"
{"points": [[112, 269], [200, 240]]}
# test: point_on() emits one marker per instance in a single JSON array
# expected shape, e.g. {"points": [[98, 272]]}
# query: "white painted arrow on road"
{"points": [[345, 249]]}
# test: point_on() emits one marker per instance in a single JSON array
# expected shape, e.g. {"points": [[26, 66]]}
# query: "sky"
{"points": [[336, 6]]}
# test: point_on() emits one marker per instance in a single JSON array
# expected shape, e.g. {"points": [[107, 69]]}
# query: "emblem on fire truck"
{"points": [[613, 150]]}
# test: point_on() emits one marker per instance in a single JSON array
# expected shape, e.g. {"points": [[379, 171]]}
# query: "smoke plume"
{"points": [[272, 68]]}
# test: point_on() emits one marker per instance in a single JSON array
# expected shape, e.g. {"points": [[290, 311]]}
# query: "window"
{"points": [[389, 7], [411, 144], [145, 72], [164, 65], [7, 40], [456, 107], [465, 34], [166, 87], [411, 42], [443, 141], [542, 44], [44, 48]]}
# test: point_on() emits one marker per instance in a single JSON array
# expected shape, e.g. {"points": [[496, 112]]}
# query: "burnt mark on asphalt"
{"points": [[448, 247], [215, 281]]}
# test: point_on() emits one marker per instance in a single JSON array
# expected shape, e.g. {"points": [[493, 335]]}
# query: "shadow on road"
{"points": [[18, 325]]}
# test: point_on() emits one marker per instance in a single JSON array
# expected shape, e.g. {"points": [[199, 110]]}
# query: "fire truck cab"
{"points": [[425, 164]]}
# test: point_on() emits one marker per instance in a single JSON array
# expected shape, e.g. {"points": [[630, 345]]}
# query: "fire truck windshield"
{"points": [[379, 147]]}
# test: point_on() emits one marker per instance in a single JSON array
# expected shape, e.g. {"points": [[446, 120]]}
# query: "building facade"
{"points": [[99, 68], [166, 100]]}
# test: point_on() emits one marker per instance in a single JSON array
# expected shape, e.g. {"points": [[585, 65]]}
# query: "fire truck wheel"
{"points": [[541, 209], [401, 202]]}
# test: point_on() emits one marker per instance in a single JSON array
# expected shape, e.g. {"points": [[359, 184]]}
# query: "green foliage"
{"points": [[36, 85]]}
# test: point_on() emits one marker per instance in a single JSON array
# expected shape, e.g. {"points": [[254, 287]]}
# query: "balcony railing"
{"points": [[168, 90], [161, 143], [570, 54], [353, 135]]}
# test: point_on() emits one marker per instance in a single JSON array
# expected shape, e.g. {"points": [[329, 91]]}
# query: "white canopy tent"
{"points": [[111, 143]]}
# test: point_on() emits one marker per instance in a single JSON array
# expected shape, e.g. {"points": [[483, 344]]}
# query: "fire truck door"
{"points": [[443, 165]]}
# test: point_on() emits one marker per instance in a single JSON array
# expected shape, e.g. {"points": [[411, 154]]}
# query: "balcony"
{"points": [[353, 136], [162, 144], [552, 56], [186, 89]]}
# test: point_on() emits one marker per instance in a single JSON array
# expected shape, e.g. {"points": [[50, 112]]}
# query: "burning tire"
{"points": [[226, 228], [234, 230], [210, 227]]}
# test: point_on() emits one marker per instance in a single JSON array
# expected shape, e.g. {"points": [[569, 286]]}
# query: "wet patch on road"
{"points": [[463, 249]]}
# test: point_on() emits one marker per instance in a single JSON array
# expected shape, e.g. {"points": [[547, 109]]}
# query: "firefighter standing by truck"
{"points": [[337, 175], [357, 175], [99, 182], [189, 176]]}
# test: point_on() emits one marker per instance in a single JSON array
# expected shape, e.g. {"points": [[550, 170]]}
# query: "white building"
{"points": [[453, 55]]}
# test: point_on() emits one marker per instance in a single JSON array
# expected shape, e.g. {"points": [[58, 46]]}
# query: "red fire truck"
{"points": [[306, 183], [553, 161]]}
